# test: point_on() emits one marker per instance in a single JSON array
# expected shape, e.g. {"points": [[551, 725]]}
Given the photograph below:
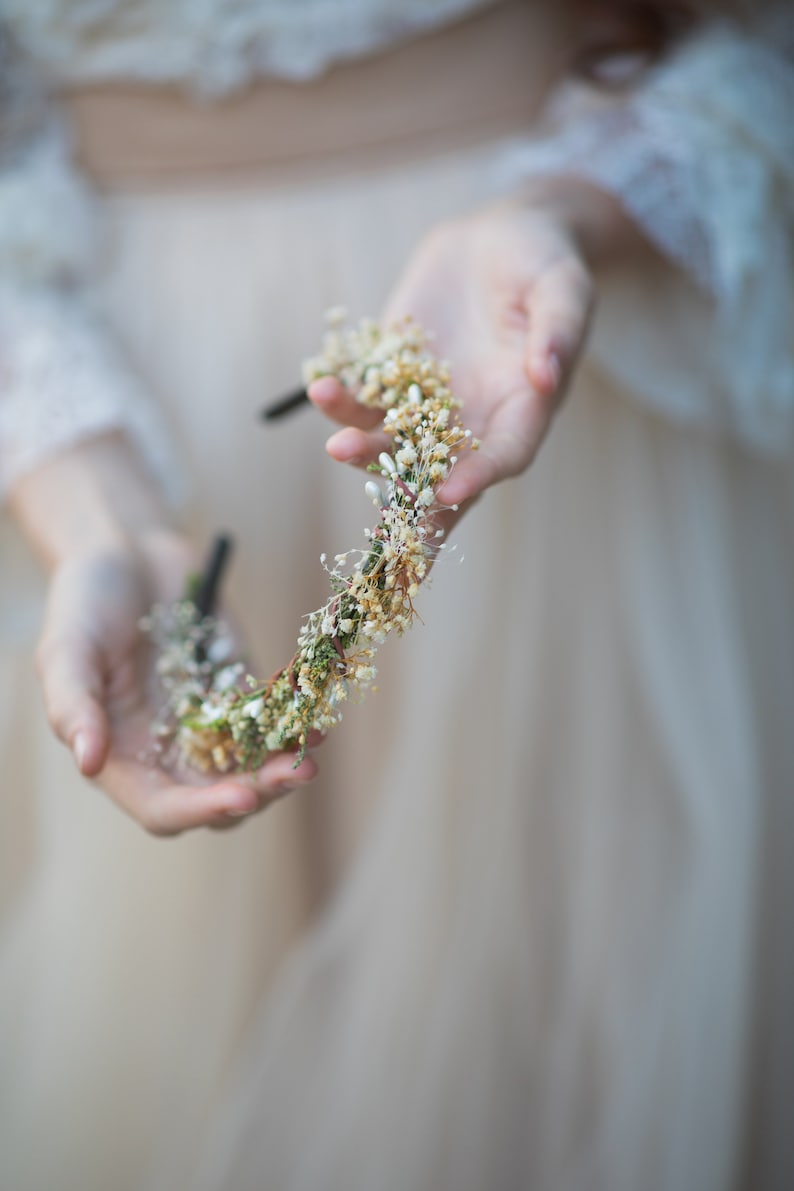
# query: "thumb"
{"points": [[72, 678]]}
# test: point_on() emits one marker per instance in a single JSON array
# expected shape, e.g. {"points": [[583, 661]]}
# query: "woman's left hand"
{"points": [[93, 664]]}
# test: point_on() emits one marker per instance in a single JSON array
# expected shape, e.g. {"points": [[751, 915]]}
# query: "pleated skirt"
{"points": [[528, 929]]}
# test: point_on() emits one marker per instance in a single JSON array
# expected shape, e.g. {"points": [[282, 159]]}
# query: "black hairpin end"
{"points": [[285, 405], [210, 579]]}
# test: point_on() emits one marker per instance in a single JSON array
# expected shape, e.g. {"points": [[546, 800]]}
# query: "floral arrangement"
{"points": [[218, 719]]}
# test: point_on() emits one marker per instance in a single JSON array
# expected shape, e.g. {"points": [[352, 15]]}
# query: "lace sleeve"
{"points": [[701, 156], [61, 378]]}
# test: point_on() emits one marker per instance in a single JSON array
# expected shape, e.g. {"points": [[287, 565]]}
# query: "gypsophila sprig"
{"points": [[219, 720]]}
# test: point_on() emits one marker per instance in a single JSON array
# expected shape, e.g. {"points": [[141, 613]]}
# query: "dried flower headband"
{"points": [[218, 720]]}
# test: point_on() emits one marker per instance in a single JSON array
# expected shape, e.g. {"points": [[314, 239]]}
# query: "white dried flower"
{"points": [[405, 457], [220, 650]]}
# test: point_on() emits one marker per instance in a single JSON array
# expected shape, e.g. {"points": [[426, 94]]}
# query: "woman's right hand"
{"points": [[91, 660], [508, 294]]}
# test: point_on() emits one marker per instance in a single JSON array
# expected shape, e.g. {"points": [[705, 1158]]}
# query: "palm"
{"points": [[96, 664], [478, 319], [507, 298], [467, 330]]}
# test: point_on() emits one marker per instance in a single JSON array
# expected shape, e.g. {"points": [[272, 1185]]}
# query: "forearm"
{"points": [[93, 497]]}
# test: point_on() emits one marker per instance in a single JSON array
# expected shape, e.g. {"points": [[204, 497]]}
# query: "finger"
{"points": [[280, 774], [73, 684], [513, 434], [332, 399], [357, 447], [559, 307], [165, 807]]}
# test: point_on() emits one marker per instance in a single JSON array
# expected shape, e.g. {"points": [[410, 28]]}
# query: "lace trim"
{"points": [[61, 382], [49, 228], [702, 158], [216, 46]]}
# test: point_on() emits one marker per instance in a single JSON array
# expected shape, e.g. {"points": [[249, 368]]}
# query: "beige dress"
{"points": [[558, 959]]}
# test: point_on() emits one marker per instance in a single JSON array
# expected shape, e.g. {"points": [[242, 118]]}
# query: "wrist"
{"points": [[92, 499], [593, 219], [169, 557]]}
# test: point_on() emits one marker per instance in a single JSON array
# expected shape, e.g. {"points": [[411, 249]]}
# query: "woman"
{"points": [[448, 884]]}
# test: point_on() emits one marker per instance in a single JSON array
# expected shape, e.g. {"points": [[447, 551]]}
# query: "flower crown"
{"points": [[216, 718]]}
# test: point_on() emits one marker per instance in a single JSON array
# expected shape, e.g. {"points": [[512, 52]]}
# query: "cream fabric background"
{"points": [[560, 960]]}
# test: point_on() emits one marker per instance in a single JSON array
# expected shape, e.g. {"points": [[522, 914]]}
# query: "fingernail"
{"points": [[345, 445], [287, 787], [247, 804], [323, 388], [340, 456], [80, 749], [554, 368]]}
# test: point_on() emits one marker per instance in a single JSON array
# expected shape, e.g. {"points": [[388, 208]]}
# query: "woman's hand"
{"points": [[92, 663], [96, 520], [508, 294]]}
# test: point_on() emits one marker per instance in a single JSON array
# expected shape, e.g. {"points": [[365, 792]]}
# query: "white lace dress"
{"points": [[560, 958]]}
